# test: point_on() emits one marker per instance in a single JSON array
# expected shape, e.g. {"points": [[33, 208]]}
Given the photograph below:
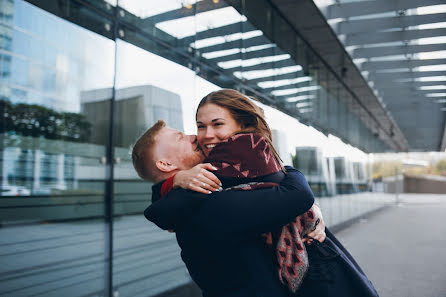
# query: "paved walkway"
{"points": [[403, 248]]}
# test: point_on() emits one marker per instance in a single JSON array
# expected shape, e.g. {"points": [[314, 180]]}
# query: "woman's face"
{"points": [[214, 124]]}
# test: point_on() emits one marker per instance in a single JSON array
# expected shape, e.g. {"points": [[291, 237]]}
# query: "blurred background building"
{"points": [[355, 93]]}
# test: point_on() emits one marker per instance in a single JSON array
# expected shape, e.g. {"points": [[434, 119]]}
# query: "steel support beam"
{"points": [[408, 84], [383, 37], [404, 95], [292, 95], [401, 92], [276, 77], [357, 8], [377, 24], [185, 11], [285, 87], [239, 43], [312, 26], [268, 52], [397, 101], [264, 66], [409, 89], [378, 77], [291, 103], [220, 31], [370, 52], [381, 65]]}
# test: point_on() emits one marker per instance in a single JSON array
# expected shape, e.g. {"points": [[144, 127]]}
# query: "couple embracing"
{"points": [[246, 225]]}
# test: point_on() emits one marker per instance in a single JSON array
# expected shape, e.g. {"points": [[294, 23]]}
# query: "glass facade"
{"points": [[81, 80]]}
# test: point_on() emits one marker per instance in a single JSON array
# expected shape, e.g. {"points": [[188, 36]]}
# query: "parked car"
{"points": [[14, 191]]}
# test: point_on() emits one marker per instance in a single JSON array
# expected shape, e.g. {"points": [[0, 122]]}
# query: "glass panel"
{"points": [[146, 259], [56, 86], [52, 233], [154, 81]]}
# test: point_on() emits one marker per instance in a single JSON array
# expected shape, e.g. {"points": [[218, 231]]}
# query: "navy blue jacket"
{"points": [[220, 234]]}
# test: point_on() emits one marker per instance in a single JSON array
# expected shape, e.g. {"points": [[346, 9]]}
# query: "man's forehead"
{"points": [[167, 133], [168, 130]]}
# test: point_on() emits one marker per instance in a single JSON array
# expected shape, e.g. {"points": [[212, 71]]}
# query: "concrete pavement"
{"points": [[403, 248]]}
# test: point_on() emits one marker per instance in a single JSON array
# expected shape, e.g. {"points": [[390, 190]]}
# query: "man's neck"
{"points": [[165, 176]]}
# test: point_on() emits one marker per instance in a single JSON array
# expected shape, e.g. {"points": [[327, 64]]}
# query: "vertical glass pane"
{"points": [[156, 79], [146, 259], [52, 143]]}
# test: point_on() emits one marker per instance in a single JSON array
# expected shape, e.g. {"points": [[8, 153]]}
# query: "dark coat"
{"points": [[333, 272], [220, 234]]}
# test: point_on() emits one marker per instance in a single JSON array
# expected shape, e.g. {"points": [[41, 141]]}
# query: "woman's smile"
{"points": [[210, 146], [214, 124]]}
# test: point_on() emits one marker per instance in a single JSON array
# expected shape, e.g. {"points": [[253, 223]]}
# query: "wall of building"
{"points": [[71, 204]]}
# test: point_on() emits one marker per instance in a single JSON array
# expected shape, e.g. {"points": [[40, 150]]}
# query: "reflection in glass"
{"points": [[51, 179], [146, 259], [310, 162], [56, 88]]}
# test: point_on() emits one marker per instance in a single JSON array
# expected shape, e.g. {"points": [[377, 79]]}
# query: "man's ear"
{"points": [[165, 166]]}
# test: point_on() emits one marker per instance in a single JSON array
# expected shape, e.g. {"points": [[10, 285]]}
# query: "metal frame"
{"points": [[360, 8], [183, 51], [372, 25], [382, 32], [383, 37], [409, 64], [409, 49]]}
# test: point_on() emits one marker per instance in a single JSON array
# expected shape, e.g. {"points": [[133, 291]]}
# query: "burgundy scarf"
{"points": [[250, 156]]}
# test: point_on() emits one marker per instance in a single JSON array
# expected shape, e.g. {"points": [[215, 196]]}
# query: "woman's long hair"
{"points": [[247, 114]]}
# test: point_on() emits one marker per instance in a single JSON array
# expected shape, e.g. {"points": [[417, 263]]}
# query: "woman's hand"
{"points": [[319, 232], [198, 179]]}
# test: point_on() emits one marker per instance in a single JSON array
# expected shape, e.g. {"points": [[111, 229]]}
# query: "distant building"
{"points": [[280, 143], [313, 165], [42, 166], [344, 175], [137, 108], [360, 176]]}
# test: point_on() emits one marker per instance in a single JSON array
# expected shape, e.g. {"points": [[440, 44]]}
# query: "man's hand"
{"points": [[318, 233], [198, 179]]}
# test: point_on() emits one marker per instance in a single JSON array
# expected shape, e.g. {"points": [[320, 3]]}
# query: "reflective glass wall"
{"points": [[53, 172], [81, 80]]}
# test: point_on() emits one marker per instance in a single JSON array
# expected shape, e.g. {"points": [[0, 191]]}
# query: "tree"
{"points": [[38, 121], [441, 166]]}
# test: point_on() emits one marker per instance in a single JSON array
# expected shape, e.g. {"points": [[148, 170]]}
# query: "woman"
{"points": [[222, 117]]}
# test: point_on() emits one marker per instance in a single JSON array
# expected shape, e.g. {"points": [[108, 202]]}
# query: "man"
{"points": [[161, 152], [219, 232]]}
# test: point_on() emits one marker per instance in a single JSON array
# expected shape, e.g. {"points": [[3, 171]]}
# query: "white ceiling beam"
{"points": [[377, 24], [404, 74], [185, 11], [381, 65], [383, 37], [345, 10], [408, 84], [370, 52]]}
